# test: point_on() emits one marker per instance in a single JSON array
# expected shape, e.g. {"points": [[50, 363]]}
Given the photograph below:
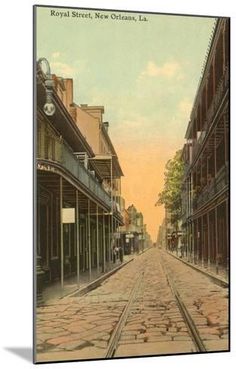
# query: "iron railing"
{"points": [[218, 96], [66, 158], [216, 186]]}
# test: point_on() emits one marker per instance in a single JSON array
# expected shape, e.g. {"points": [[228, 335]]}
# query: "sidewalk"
{"points": [[54, 290], [221, 277]]}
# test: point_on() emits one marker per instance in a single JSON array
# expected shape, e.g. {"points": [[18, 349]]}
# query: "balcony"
{"points": [[222, 87], [219, 183], [65, 158]]}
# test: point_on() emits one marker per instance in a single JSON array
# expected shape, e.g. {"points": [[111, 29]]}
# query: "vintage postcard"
{"points": [[131, 129]]}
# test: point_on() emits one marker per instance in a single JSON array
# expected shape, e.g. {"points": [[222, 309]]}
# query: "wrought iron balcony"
{"points": [[219, 94], [210, 191], [65, 158]]}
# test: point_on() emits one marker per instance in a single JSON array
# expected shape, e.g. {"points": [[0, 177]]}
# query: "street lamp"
{"points": [[49, 108]]}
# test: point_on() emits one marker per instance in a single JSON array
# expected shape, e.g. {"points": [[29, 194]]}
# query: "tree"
{"points": [[171, 194]]}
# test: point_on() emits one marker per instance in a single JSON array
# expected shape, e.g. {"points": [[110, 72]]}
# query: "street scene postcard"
{"points": [[131, 137]]}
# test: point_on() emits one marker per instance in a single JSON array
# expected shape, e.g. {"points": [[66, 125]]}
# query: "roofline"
{"points": [[204, 71], [68, 117], [112, 147]]}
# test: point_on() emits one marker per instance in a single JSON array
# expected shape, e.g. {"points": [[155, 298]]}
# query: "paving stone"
{"points": [[157, 329], [91, 318], [46, 336], [51, 330], [134, 327], [212, 321], [180, 325], [62, 339], [93, 335], [171, 329], [209, 330], [199, 319], [182, 338], [217, 345], [129, 337], [154, 334], [88, 352], [155, 348], [99, 344], [208, 336], [183, 330], [225, 337], [72, 345]]}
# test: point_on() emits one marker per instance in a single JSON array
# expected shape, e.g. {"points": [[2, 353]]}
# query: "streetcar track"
{"points": [[148, 312], [193, 331], [114, 340]]}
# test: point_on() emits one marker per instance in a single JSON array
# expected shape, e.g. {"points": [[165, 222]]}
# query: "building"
{"points": [[206, 155], [78, 184], [134, 233], [162, 241]]}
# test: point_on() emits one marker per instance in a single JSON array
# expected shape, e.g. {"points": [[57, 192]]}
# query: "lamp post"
{"points": [[48, 108]]}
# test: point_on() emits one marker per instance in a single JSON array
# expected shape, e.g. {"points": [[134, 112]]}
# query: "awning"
{"points": [[107, 166]]}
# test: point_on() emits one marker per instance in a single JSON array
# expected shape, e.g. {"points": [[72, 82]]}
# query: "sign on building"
{"points": [[68, 215]]}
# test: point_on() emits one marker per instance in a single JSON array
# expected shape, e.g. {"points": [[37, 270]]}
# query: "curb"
{"points": [[145, 250], [217, 280], [97, 282], [142, 252]]}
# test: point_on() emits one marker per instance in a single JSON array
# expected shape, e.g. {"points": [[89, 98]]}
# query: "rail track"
{"points": [[114, 340], [192, 329]]}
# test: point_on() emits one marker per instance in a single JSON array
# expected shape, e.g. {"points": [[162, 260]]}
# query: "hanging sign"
{"points": [[68, 215]]}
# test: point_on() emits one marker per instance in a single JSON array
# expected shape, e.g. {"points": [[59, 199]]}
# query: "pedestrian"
{"points": [[182, 249], [114, 254], [117, 251], [121, 254]]}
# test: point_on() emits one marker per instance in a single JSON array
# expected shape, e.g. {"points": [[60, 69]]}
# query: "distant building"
{"points": [[134, 233], [206, 155], [162, 236]]}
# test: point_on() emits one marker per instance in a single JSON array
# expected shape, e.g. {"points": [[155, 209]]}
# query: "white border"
{"points": [[16, 178]]}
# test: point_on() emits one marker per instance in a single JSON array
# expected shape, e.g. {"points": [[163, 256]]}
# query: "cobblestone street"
{"points": [[81, 327]]}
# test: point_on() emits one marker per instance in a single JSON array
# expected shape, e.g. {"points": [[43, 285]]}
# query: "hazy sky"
{"points": [[144, 73]]}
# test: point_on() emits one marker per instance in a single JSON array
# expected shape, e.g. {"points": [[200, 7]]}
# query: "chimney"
{"points": [[106, 125], [68, 82]]}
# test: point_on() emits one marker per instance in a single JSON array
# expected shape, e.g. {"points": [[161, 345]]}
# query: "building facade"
{"points": [[78, 185], [134, 235], [205, 196]]}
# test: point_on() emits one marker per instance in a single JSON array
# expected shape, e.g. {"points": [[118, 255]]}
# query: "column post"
{"points": [[215, 156], [61, 234], [97, 236], [77, 237], [208, 240], [227, 235], [216, 239], [202, 241], [197, 239], [213, 75], [104, 242], [225, 139], [223, 48], [89, 240], [193, 240], [109, 241], [38, 262]]}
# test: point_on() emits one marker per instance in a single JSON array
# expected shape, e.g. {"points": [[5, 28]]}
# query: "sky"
{"points": [[144, 73]]}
